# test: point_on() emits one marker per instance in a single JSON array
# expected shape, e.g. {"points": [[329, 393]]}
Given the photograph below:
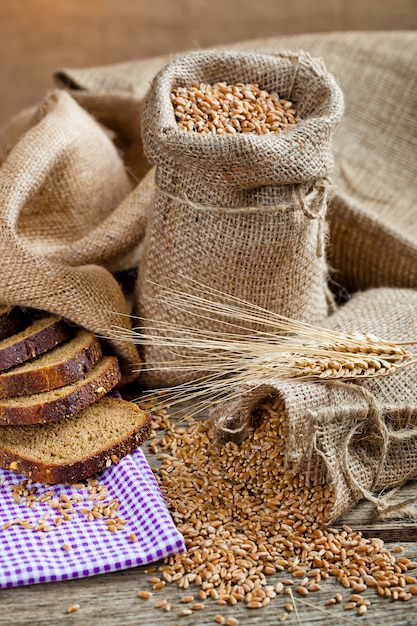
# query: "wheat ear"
{"points": [[276, 347]]}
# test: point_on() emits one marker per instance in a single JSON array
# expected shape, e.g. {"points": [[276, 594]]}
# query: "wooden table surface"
{"points": [[112, 599]]}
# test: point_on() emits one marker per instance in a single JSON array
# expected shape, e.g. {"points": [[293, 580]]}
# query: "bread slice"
{"points": [[58, 403], [12, 321], [62, 365], [76, 447], [41, 335]]}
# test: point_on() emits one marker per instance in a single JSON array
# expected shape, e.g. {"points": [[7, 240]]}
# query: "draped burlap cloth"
{"points": [[242, 213], [65, 216], [113, 95], [361, 437], [372, 213]]}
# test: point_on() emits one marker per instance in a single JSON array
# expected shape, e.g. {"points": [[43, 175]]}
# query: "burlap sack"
{"points": [[89, 213], [361, 436], [374, 208], [372, 214], [243, 213], [64, 195]]}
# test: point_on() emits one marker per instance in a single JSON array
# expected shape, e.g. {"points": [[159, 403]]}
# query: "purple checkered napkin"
{"points": [[77, 548]]}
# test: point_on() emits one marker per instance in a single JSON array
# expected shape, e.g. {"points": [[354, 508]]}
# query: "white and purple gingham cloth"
{"points": [[27, 558]]}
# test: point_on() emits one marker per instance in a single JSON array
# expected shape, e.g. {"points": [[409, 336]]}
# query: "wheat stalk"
{"points": [[219, 362]]}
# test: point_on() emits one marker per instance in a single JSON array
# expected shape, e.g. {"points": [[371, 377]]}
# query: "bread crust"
{"points": [[12, 321], [28, 345], [65, 401], [19, 382], [82, 468]]}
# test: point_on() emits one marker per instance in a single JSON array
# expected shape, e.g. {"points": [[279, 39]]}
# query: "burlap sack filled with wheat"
{"points": [[243, 213], [64, 217], [359, 437], [373, 207]]}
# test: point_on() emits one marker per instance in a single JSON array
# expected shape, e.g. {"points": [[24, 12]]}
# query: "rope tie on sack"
{"points": [[201, 206], [381, 437], [314, 207]]}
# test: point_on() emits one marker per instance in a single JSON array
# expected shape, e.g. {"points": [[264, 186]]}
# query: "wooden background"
{"points": [[39, 36]]}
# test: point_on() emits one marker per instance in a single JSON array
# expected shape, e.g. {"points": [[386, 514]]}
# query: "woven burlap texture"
{"points": [[359, 436], [113, 95], [64, 194], [243, 213], [373, 209]]}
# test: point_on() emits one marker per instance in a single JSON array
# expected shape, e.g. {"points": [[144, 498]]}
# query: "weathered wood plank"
{"points": [[112, 600], [364, 519]]}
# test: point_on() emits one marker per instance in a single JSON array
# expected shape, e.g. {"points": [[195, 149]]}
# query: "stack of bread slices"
{"points": [[57, 423]]}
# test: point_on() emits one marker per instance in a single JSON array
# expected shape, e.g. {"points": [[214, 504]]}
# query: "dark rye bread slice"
{"points": [[57, 367], [76, 447], [41, 335], [53, 405], [12, 321]]}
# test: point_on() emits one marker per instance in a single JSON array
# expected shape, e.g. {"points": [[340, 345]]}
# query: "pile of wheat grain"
{"points": [[245, 517], [229, 109]]}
